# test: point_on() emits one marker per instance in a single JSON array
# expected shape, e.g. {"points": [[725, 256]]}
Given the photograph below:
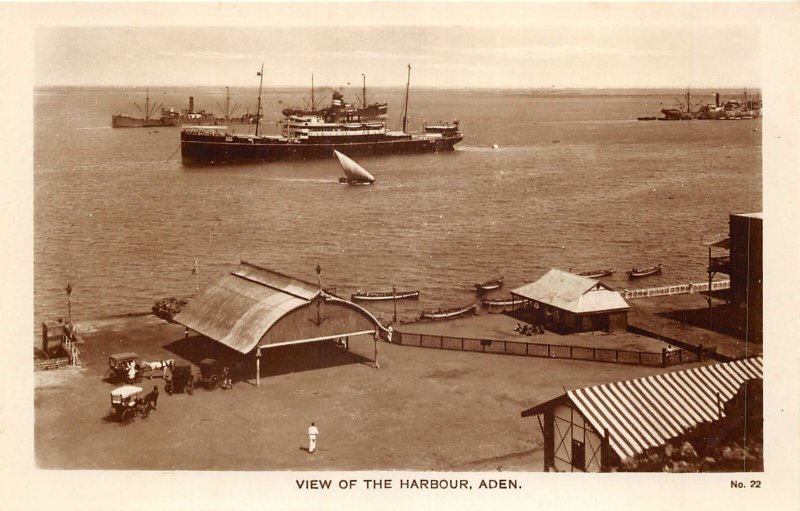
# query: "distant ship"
{"points": [[204, 118], [339, 108], [747, 108], [128, 121], [312, 133]]}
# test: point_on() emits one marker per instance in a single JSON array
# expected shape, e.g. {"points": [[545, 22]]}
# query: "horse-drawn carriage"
{"points": [[124, 367], [214, 372], [127, 402], [180, 378]]}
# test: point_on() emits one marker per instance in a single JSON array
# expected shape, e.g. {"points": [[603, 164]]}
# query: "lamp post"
{"points": [[69, 302], [394, 301]]}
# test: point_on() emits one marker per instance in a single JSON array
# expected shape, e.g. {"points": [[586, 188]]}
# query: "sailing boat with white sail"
{"points": [[354, 173]]}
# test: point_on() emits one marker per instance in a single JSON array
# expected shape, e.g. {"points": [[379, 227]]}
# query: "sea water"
{"points": [[575, 182]]}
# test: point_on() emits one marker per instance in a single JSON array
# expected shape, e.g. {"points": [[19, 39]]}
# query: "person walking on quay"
{"points": [[312, 437]]}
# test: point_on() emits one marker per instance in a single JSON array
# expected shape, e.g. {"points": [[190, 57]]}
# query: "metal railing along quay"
{"points": [[674, 290], [527, 349]]}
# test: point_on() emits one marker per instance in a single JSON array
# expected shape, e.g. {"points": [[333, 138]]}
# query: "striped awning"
{"points": [[648, 412]]}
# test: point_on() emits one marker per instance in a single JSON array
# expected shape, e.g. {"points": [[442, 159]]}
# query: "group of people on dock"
{"points": [[529, 329]]}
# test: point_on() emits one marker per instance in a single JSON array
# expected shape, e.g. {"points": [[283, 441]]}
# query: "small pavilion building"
{"points": [[253, 309], [567, 303]]}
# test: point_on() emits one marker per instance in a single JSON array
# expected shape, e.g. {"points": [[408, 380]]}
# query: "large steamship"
{"points": [[311, 133]]}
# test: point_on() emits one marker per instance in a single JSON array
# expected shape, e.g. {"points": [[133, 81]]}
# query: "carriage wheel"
{"points": [[212, 382], [127, 415]]}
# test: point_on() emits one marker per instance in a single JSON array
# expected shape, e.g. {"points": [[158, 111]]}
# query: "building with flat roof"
{"points": [[744, 263]]}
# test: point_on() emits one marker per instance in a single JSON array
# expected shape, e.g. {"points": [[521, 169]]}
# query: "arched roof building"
{"points": [[253, 308]]}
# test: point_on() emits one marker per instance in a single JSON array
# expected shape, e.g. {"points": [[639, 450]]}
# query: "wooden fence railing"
{"points": [[526, 349]]}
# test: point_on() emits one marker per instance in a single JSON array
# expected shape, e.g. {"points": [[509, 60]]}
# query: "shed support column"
{"points": [[375, 338], [258, 366], [548, 432]]}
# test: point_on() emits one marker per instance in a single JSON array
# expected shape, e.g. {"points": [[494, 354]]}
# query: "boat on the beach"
{"points": [[315, 133], [148, 121], [644, 272], [593, 274], [354, 174], [454, 312], [377, 296], [647, 118], [489, 285]]}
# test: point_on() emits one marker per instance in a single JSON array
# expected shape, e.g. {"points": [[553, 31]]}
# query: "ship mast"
{"points": [[258, 111], [313, 101], [228, 111], [405, 112], [364, 91]]}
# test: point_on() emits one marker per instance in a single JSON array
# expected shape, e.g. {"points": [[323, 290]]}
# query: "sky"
{"points": [[499, 51]]}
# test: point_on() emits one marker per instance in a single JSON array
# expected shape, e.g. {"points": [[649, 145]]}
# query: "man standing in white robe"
{"points": [[312, 437]]}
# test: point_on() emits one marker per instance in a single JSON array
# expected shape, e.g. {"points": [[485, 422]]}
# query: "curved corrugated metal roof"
{"points": [[238, 309], [647, 412]]}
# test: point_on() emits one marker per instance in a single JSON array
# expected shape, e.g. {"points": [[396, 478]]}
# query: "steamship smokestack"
{"points": [[191, 104], [716, 97]]}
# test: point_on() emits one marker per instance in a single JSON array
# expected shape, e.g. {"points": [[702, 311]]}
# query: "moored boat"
{"points": [[501, 302], [148, 121], [314, 133], [454, 312], [644, 272], [490, 284], [205, 118], [377, 296], [593, 274]]}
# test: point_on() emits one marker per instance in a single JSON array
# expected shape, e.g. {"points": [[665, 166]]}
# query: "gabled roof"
{"points": [[573, 293], [648, 412], [238, 309]]}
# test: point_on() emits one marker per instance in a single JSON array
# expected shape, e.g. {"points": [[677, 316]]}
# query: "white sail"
{"points": [[352, 170]]}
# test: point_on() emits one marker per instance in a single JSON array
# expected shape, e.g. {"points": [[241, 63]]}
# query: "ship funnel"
{"points": [[191, 104], [716, 98]]}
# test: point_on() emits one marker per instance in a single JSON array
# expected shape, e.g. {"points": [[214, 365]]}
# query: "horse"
{"points": [[160, 364], [151, 399]]}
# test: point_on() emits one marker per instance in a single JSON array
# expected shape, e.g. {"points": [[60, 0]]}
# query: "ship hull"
{"points": [[120, 121], [212, 150]]}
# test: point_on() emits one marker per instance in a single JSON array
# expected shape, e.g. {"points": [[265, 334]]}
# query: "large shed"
{"points": [[255, 308], [569, 303], [594, 428]]}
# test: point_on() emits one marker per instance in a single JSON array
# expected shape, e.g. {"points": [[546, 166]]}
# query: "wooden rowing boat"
{"points": [[501, 302], [448, 313], [490, 284], [593, 274], [635, 273], [390, 295]]}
